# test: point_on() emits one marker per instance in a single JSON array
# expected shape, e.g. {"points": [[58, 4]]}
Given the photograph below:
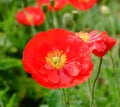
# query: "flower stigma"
{"points": [[56, 59]]}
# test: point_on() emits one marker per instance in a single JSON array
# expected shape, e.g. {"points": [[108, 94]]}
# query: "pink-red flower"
{"points": [[58, 4], [30, 15], [83, 4], [57, 58], [100, 43]]}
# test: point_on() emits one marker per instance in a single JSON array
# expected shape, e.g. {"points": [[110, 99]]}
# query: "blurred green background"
{"points": [[18, 89]]}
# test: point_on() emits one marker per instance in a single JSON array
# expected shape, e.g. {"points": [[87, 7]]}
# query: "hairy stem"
{"points": [[55, 21], [94, 83], [112, 25], [1, 104], [65, 98], [114, 68], [115, 73]]}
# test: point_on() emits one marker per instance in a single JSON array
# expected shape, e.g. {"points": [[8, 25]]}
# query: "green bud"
{"points": [[52, 2], [105, 10], [44, 8], [75, 14], [67, 20]]}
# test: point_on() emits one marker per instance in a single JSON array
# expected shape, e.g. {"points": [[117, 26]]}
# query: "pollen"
{"points": [[84, 36], [56, 59], [29, 18]]}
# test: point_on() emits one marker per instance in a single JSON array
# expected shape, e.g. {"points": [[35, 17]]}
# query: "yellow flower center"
{"points": [[84, 36], [56, 59], [29, 18], [86, 1]]}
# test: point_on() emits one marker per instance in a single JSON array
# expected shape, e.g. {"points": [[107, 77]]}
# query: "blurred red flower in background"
{"points": [[30, 15], [58, 4], [100, 43], [83, 4], [57, 59]]}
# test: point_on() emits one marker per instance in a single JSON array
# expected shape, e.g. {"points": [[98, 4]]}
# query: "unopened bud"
{"points": [[44, 8], [52, 2], [67, 20], [75, 14], [105, 10]]}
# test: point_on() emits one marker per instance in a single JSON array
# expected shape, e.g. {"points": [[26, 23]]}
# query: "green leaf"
{"points": [[7, 63], [11, 102], [3, 92], [55, 99]]}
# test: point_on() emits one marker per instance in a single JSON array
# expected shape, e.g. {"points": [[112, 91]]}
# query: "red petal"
{"points": [[101, 44], [64, 78], [83, 5], [72, 70], [35, 13], [59, 4], [54, 77]]}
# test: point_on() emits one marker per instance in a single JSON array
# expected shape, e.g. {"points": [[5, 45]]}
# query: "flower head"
{"points": [[83, 4], [30, 15], [57, 58], [99, 44], [58, 4]]}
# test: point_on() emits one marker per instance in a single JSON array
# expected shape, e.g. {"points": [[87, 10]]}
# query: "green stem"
{"points": [[94, 83], [46, 22], [1, 104], [112, 25], [55, 21], [84, 19], [114, 68], [33, 29], [103, 1], [115, 73], [65, 98], [74, 27], [89, 87]]}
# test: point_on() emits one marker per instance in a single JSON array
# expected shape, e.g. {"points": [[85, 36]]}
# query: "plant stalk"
{"points": [[65, 98], [94, 83]]}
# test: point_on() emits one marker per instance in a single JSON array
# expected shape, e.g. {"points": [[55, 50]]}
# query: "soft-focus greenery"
{"points": [[18, 89]]}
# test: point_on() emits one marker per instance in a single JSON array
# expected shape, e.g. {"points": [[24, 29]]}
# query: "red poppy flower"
{"points": [[30, 15], [83, 4], [57, 59], [58, 4], [99, 44]]}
